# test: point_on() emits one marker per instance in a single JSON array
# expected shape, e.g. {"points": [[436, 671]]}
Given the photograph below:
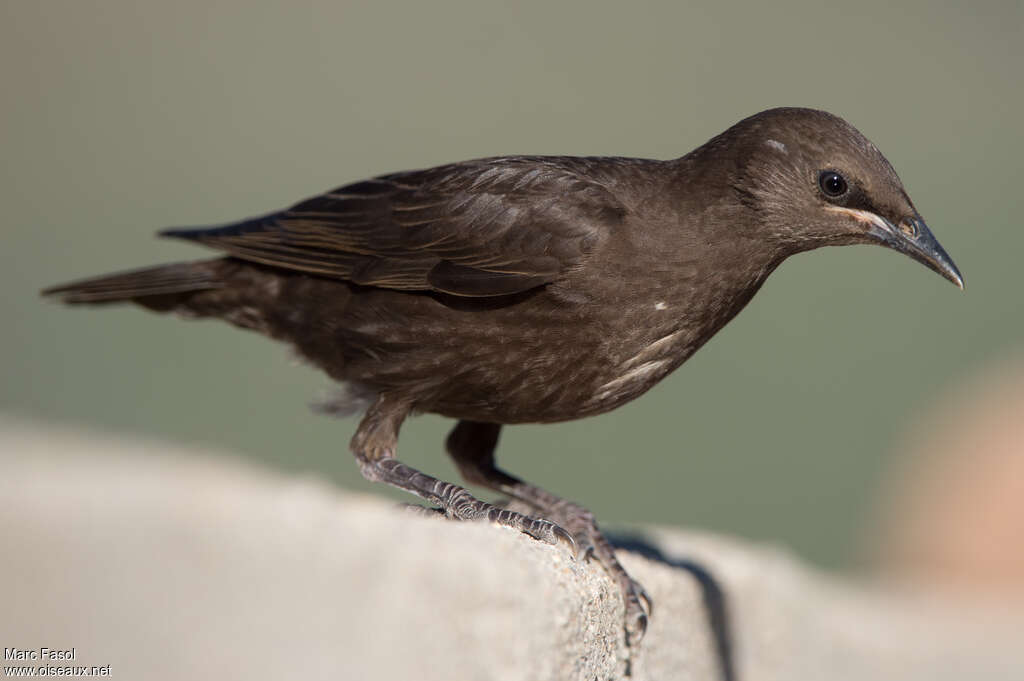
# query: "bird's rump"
{"points": [[479, 228]]}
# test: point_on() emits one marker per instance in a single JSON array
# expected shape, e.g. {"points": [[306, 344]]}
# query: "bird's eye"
{"points": [[832, 183]]}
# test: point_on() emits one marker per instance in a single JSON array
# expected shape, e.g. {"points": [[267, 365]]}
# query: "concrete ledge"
{"points": [[165, 565]]}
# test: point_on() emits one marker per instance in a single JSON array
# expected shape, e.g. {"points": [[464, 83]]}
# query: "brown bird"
{"points": [[531, 289]]}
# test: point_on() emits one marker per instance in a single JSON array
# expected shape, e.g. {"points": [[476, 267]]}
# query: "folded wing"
{"points": [[480, 228]]}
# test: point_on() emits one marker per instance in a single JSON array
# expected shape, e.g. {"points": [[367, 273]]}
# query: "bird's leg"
{"points": [[374, 446], [472, 444]]}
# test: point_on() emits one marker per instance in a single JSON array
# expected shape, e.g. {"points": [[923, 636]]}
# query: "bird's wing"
{"points": [[480, 228]]}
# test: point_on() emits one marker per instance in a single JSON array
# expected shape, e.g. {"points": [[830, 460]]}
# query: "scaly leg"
{"points": [[471, 445], [374, 446]]}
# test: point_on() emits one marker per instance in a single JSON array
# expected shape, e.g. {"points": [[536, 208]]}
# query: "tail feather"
{"points": [[161, 280]]}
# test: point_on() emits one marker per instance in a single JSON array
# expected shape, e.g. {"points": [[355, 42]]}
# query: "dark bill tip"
{"points": [[931, 253]]}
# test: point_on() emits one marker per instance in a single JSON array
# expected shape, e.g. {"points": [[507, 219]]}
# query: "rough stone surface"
{"points": [[166, 565]]}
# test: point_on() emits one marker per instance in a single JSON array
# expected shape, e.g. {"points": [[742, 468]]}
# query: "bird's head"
{"points": [[814, 180]]}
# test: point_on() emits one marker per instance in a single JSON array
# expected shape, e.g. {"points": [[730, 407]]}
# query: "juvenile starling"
{"points": [[532, 289]]}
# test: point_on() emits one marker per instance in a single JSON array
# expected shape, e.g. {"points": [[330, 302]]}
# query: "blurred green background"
{"points": [[123, 117]]}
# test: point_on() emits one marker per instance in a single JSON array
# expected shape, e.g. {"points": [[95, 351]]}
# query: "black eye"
{"points": [[832, 183]]}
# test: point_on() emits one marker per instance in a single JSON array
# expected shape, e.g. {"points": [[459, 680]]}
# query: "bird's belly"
{"points": [[535, 361]]}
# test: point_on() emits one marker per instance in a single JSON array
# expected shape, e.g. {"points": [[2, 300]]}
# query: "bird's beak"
{"points": [[911, 237]]}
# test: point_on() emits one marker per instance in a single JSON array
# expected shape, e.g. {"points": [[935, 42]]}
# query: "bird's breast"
{"points": [[629, 379]]}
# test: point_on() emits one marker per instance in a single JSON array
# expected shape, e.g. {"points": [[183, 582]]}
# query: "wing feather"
{"points": [[480, 228]]}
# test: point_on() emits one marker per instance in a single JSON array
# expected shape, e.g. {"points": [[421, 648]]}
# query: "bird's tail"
{"points": [[160, 287], [241, 293]]}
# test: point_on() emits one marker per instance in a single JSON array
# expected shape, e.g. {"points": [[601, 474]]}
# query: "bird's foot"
{"points": [[564, 523], [590, 543], [457, 503], [461, 505], [637, 611], [593, 544]]}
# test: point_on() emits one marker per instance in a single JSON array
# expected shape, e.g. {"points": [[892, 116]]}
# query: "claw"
{"points": [[586, 553], [538, 528], [636, 629], [646, 603], [565, 538]]}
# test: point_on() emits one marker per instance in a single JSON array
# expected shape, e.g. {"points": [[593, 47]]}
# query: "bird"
{"points": [[531, 289]]}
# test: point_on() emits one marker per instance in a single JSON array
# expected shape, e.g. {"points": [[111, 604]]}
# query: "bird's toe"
{"points": [[636, 624], [645, 599]]}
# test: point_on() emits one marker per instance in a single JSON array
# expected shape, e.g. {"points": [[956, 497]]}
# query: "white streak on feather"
{"points": [[651, 352], [635, 374], [775, 144]]}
